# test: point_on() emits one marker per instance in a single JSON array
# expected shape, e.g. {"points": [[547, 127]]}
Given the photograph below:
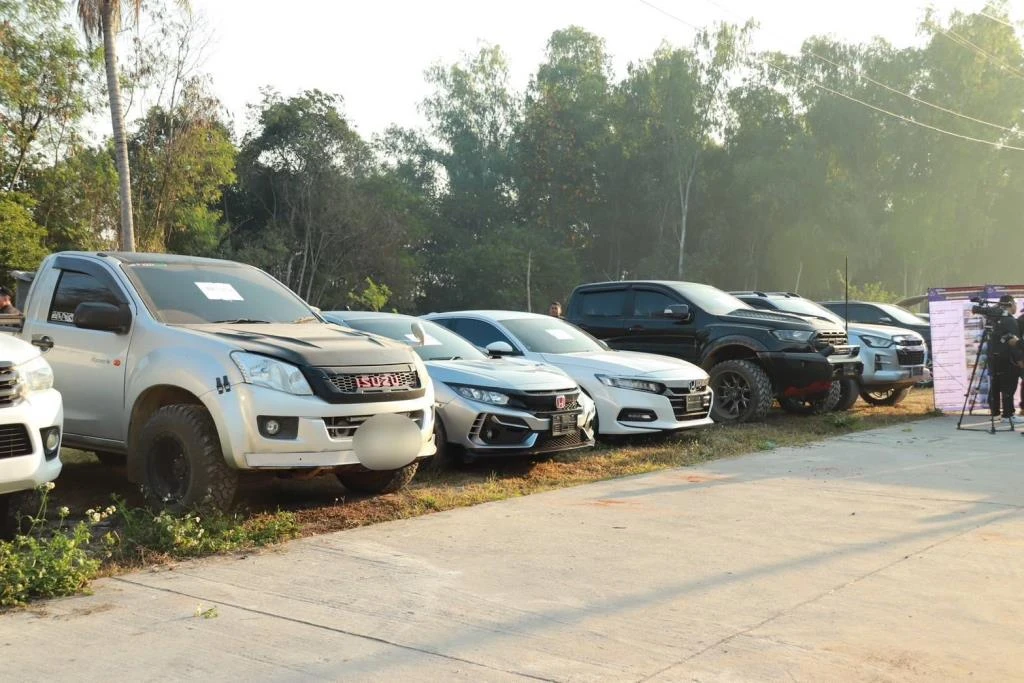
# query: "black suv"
{"points": [[752, 356]]}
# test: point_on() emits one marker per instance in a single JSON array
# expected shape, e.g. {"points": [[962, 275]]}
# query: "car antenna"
{"points": [[846, 317]]}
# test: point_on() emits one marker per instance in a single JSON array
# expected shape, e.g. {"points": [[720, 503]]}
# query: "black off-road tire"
{"points": [[849, 392], [818, 405], [383, 481], [889, 397], [444, 459], [108, 459], [743, 391], [183, 466], [14, 507]]}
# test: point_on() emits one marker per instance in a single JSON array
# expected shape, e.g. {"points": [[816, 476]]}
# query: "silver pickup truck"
{"points": [[193, 370]]}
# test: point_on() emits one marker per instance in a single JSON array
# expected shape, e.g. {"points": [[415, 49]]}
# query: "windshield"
{"points": [[200, 293], [441, 344], [710, 299], [809, 308], [551, 335], [901, 315]]}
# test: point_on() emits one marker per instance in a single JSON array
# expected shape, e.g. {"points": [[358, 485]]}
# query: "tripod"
{"points": [[971, 395]]}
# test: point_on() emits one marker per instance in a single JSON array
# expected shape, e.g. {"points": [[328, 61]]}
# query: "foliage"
{"points": [[21, 238], [374, 297]]}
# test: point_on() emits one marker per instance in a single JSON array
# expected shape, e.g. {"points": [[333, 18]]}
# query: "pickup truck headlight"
{"points": [[495, 398], [272, 374], [630, 383], [35, 375], [876, 342], [793, 335]]}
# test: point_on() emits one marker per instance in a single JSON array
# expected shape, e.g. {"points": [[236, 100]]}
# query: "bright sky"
{"points": [[374, 53]]}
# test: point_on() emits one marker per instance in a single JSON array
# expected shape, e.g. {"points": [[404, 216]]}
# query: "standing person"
{"points": [[1003, 351], [555, 309], [1020, 356], [6, 307]]}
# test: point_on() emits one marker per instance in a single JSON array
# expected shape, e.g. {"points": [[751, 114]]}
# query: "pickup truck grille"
{"points": [[543, 403], [345, 427], [830, 338], [14, 441], [366, 384], [9, 390], [377, 382], [907, 357]]}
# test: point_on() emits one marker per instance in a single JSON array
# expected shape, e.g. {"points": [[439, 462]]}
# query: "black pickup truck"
{"points": [[752, 356]]}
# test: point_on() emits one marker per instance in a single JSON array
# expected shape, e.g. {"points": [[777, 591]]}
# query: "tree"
{"points": [[21, 239]]}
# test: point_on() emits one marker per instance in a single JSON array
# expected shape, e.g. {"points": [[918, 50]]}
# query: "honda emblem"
{"points": [[559, 402]]}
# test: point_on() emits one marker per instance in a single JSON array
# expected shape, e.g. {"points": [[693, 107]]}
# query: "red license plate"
{"points": [[384, 381]]}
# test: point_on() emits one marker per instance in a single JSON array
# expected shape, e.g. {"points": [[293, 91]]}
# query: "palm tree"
{"points": [[102, 18]]}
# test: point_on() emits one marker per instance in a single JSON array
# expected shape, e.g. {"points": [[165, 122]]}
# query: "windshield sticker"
{"points": [[561, 335], [219, 291], [428, 340]]}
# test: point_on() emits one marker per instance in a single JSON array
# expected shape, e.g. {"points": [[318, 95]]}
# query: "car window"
{"points": [[603, 304], [440, 343], [478, 332], [651, 304], [859, 313], [74, 288]]}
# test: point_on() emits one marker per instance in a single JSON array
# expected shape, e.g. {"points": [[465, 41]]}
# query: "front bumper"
{"points": [[809, 373], [618, 409], [488, 430], [882, 368], [323, 435], [41, 410]]}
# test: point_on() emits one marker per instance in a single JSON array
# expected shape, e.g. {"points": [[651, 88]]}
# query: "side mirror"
{"points": [[94, 315], [419, 333], [677, 312], [499, 348]]}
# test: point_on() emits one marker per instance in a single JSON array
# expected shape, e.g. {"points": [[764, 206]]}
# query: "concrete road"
{"points": [[895, 555]]}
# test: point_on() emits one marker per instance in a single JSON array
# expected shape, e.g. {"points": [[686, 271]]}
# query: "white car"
{"points": [[31, 422], [635, 393]]}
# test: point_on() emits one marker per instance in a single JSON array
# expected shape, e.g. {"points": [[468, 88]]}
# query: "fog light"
{"points": [[637, 415], [51, 441], [276, 427], [272, 427]]}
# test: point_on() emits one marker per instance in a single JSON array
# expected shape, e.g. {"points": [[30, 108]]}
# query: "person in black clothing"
{"points": [[1004, 360], [1020, 333], [6, 307]]}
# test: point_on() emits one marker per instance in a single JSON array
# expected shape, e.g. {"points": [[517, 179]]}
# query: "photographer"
{"points": [[1004, 359]]}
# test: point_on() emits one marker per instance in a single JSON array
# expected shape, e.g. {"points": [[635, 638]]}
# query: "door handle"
{"points": [[635, 328], [42, 341]]}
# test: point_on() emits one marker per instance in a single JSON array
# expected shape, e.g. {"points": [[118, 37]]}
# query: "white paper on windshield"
{"points": [[561, 335], [219, 291], [427, 340]]}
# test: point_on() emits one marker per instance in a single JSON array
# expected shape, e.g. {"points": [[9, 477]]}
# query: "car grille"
{"points": [[687, 405], [830, 339], [542, 403], [346, 383], [345, 427], [10, 392], [14, 441], [570, 440], [907, 357]]}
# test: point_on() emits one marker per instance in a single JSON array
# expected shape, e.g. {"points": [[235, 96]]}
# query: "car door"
{"points": [[88, 365], [602, 313], [649, 330]]}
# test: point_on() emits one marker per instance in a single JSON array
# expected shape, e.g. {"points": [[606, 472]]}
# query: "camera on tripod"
{"points": [[989, 309]]}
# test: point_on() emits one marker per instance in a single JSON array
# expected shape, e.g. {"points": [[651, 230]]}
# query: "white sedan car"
{"points": [[635, 393]]}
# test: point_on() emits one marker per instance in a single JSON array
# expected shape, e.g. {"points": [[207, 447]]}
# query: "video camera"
{"points": [[989, 309]]}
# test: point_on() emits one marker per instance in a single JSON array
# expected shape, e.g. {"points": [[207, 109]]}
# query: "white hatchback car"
{"points": [[635, 393]]}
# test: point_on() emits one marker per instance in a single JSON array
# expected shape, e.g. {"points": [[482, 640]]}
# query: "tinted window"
{"points": [[805, 307], [860, 313], [648, 304], [710, 299], [201, 293], [74, 288], [478, 332], [604, 304], [901, 315]]}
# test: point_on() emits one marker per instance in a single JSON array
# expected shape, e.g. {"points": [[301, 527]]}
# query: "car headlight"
{"points": [[630, 383], [272, 374], [495, 398], [793, 335], [35, 375], [876, 342]]}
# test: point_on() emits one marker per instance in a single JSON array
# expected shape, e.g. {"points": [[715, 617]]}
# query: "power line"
{"points": [[906, 119], [996, 19], [963, 42]]}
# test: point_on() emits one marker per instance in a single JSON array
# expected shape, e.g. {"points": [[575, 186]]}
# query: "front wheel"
{"points": [[818, 405], [743, 391], [183, 466], [849, 392], [378, 481], [15, 512], [893, 396]]}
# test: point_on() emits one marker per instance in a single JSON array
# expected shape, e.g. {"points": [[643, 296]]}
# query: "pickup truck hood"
{"points": [[623, 363], [778, 320], [500, 374], [311, 344], [879, 330]]}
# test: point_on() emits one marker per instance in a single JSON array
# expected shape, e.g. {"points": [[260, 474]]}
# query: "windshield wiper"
{"points": [[241, 321]]}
